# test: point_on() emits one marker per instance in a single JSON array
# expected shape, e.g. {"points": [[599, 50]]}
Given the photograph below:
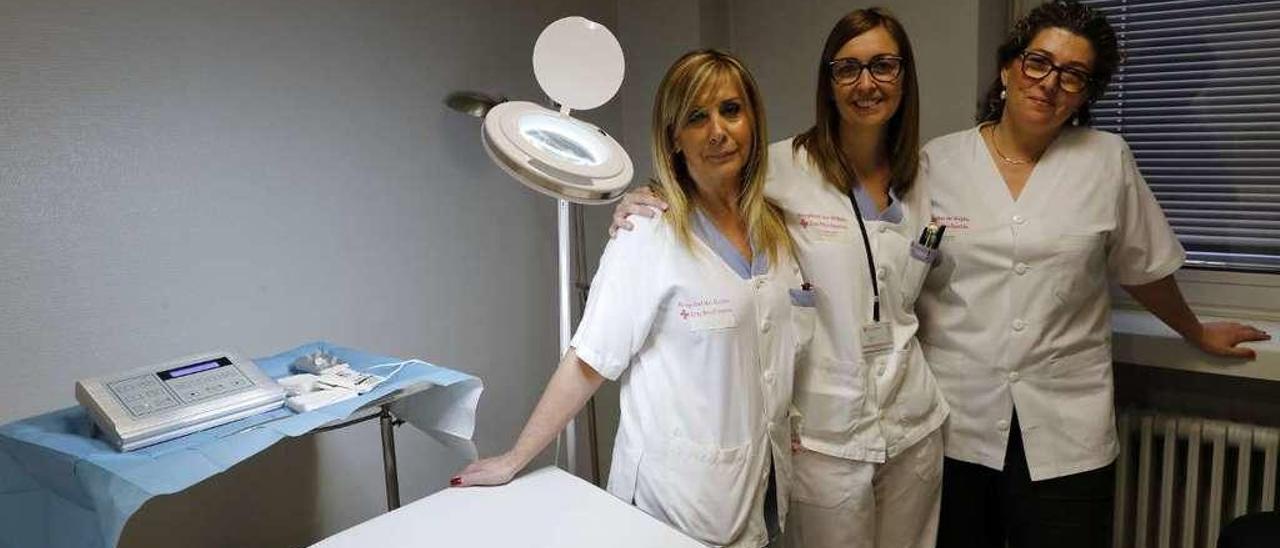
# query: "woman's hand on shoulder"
{"points": [[640, 201], [491, 471], [1223, 339]]}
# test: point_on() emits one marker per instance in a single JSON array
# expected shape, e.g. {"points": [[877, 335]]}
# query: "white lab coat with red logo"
{"points": [[869, 474], [705, 360]]}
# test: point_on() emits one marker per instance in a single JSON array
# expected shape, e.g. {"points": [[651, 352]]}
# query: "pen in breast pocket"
{"points": [[927, 234], [937, 237]]}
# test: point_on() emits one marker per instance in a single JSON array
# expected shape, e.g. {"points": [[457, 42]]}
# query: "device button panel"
{"points": [[210, 384], [143, 395]]}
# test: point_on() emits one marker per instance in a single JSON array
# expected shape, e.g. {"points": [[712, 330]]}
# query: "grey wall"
{"points": [[653, 33], [183, 175]]}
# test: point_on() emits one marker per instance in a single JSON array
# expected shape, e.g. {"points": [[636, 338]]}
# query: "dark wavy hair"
{"points": [[821, 141], [1073, 17]]}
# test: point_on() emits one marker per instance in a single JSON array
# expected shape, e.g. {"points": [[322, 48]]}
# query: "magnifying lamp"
{"points": [[579, 65]]}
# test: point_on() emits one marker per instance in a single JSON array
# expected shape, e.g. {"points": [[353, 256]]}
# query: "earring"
{"points": [[1075, 120], [1003, 94]]}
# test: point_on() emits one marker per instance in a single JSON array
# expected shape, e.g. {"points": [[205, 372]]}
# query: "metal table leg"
{"points": [[387, 422]]}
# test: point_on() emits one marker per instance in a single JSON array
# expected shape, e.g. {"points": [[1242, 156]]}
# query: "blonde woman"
{"points": [[692, 313]]}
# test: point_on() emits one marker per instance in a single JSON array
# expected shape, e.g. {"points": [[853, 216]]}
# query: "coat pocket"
{"points": [[804, 318], [826, 481], [705, 491], [1077, 264], [623, 471], [802, 297], [829, 395], [1082, 381], [919, 260]]}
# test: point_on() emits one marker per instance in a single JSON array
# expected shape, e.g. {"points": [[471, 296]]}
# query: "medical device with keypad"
{"points": [[148, 405]]}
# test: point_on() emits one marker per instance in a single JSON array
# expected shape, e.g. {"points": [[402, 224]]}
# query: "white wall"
{"points": [[182, 175]]}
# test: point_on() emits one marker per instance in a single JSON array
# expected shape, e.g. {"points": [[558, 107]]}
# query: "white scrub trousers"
{"points": [[841, 503]]}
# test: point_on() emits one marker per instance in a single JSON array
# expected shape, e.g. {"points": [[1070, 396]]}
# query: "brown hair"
{"points": [[688, 79], [1072, 17], [822, 140]]}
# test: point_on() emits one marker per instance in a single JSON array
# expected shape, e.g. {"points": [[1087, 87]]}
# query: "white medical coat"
{"points": [[1016, 313], [849, 408], [705, 359]]}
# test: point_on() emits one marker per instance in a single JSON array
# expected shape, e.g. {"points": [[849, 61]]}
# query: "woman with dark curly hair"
{"points": [[1041, 212]]}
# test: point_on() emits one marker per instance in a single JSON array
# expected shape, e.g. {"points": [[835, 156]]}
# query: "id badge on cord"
{"points": [[877, 340]]}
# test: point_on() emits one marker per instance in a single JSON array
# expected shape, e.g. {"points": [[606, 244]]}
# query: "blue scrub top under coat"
{"points": [[867, 207], [706, 231]]}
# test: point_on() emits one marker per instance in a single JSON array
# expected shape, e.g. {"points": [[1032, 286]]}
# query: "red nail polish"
{"points": [[454, 482]]}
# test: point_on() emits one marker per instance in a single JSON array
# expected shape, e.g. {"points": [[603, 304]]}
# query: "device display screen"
{"points": [[194, 368]]}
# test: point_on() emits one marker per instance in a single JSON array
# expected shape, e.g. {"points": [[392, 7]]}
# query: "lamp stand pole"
{"points": [[570, 433]]}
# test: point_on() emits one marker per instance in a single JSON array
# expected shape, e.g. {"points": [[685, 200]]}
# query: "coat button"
{"points": [[1002, 425], [1018, 219], [1021, 268], [766, 327], [1014, 376], [881, 272], [1019, 325]]}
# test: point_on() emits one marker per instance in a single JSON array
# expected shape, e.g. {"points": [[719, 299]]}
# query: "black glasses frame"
{"points": [[1085, 77], [831, 65]]}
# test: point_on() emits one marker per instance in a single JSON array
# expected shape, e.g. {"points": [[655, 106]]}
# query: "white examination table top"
{"points": [[546, 508]]}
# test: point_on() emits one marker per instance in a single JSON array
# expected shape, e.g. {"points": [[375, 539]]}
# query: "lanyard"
{"points": [[871, 261]]}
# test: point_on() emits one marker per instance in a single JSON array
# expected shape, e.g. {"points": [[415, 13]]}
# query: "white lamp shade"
{"points": [[578, 63]]}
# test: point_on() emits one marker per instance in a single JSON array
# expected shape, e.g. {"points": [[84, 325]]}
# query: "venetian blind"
{"points": [[1198, 100]]}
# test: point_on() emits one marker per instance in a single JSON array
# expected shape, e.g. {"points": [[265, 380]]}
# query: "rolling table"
{"points": [[63, 486]]}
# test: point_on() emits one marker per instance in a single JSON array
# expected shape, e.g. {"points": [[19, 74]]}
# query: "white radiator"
{"points": [[1180, 479]]}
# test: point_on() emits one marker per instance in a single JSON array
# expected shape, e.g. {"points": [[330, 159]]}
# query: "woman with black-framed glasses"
{"points": [[1042, 212]]}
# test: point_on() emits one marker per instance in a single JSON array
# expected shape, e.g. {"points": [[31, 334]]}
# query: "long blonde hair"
{"points": [[688, 79]]}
